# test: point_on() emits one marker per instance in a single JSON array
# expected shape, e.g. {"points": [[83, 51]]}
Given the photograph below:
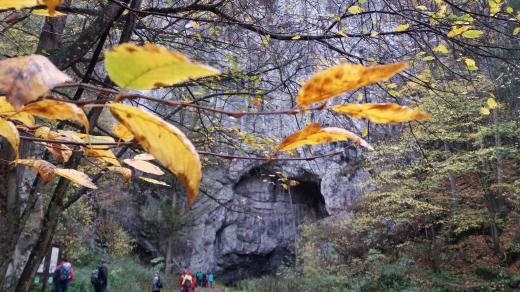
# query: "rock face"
{"points": [[248, 221]]}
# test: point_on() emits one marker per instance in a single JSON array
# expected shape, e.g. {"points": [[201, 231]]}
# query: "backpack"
{"points": [[94, 277], [64, 273], [187, 281]]}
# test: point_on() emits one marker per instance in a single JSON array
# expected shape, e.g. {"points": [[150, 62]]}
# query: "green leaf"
{"points": [[149, 66], [472, 34]]}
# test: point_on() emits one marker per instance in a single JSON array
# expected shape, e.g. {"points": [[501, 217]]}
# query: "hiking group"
{"points": [[188, 282], [64, 275]]}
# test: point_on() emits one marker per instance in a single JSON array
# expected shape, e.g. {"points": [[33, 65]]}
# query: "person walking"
{"points": [[210, 279], [63, 275], [101, 284], [156, 282], [186, 282]]}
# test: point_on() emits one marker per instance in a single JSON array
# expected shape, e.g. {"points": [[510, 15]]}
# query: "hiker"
{"points": [[99, 278], [187, 282], [156, 282], [199, 276], [63, 275], [204, 280], [210, 279]]}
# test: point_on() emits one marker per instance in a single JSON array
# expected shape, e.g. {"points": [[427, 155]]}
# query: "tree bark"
{"points": [[10, 179]]}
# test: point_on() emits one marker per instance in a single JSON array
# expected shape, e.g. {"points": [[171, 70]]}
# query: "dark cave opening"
{"points": [[241, 243]]}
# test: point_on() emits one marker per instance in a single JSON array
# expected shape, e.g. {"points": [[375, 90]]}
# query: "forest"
{"points": [[312, 145]]}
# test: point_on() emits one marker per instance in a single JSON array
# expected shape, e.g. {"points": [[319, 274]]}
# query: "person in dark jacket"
{"points": [[63, 276], [156, 282], [102, 277]]}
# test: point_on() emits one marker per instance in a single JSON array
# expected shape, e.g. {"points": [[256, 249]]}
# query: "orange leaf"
{"points": [[24, 79], [341, 78], [313, 134], [382, 113], [45, 169], [51, 5], [57, 110]]}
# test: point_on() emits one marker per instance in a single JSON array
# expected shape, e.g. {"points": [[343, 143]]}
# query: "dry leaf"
{"points": [[57, 110], [154, 181], [382, 113], [144, 166], [10, 133], [45, 169], [165, 142], [26, 78], [122, 132], [345, 77], [313, 134], [125, 172], [76, 176], [151, 67], [144, 156], [8, 111]]}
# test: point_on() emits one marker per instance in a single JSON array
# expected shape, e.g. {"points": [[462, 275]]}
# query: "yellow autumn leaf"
{"points": [[123, 171], [382, 113], [484, 111], [144, 166], [102, 154], [516, 30], [144, 156], [402, 27], [354, 9], [153, 181], [57, 110], [360, 97], [314, 134], [10, 133], [95, 139], [8, 111], [470, 64], [455, 31], [492, 103], [45, 12], [76, 176], [18, 4], [296, 37], [421, 7], [151, 67], [24, 79], [441, 49], [364, 132], [44, 168], [345, 77], [165, 142], [122, 132], [472, 34]]}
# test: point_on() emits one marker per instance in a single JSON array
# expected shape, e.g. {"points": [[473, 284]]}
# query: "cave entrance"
{"points": [[261, 241]]}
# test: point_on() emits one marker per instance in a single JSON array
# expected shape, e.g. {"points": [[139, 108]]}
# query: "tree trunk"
{"points": [[10, 179]]}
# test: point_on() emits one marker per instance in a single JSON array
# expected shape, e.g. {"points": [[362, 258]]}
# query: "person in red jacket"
{"points": [[63, 276]]}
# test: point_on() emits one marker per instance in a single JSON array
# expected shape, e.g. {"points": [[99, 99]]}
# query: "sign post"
{"points": [[47, 267]]}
